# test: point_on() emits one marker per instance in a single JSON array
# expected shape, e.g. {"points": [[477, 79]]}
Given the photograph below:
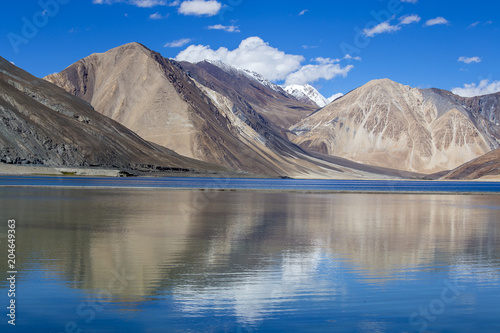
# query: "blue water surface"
{"points": [[259, 184]]}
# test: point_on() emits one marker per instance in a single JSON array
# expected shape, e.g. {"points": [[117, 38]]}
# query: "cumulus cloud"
{"points": [[227, 28], [467, 60], [138, 3], [381, 28], [387, 27], [312, 73], [253, 54], [483, 88], [275, 65], [436, 21], [200, 7], [178, 42], [409, 19]]}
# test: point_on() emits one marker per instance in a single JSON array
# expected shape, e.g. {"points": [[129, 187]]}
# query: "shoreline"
{"points": [[261, 190]]}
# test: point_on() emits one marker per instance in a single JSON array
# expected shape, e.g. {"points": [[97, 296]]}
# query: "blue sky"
{"points": [[336, 46]]}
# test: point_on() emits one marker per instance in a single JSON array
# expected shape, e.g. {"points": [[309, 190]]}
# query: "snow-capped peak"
{"points": [[305, 93], [234, 70]]}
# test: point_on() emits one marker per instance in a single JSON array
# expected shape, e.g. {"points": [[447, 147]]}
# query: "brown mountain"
{"points": [[484, 167], [387, 124], [41, 124], [199, 111], [249, 90]]}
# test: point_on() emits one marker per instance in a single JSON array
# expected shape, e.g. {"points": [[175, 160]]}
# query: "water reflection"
{"points": [[255, 255]]}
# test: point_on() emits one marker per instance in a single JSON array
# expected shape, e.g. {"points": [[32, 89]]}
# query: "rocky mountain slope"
{"points": [[250, 91], [200, 111], [484, 167], [41, 124], [387, 124]]}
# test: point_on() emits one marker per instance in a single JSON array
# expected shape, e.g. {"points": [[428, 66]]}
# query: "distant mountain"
{"points": [[386, 124], [41, 124], [484, 167], [208, 111], [307, 94], [251, 91]]}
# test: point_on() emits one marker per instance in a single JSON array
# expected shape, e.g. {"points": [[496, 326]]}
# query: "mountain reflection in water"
{"points": [[251, 258]]}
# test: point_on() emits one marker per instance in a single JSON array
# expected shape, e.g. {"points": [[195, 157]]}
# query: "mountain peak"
{"points": [[132, 45], [307, 94], [235, 71]]}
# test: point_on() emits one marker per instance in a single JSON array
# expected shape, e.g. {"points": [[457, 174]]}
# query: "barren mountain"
{"points": [[249, 90], [485, 167], [41, 124], [197, 115], [387, 124]]}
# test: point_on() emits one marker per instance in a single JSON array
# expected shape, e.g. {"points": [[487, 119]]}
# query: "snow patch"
{"points": [[233, 70], [307, 92]]}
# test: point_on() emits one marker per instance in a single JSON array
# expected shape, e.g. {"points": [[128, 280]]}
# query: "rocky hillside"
{"points": [[485, 167], [387, 124], [41, 124], [250, 91]]}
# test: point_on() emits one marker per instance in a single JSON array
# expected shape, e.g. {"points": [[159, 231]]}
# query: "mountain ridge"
{"points": [[385, 123]]}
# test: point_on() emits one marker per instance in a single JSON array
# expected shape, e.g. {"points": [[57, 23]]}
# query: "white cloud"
{"points": [[324, 61], [303, 12], [349, 57], [312, 73], [467, 60], [200, 7], [275, 65], [227, 28], [484, 88], [138, 3], [410, 1], [475, 24], [334, 97], [409, 19], [436, 21], [381, 28], [387, 27], [253, 54], [178, 42], [157, 16]]}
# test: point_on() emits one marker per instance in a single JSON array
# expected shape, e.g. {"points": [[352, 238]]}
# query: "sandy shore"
{"points": [[7, 169]]}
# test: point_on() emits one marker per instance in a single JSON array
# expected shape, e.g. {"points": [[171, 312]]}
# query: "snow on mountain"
{"points": [[306, 93], [253, 75]]}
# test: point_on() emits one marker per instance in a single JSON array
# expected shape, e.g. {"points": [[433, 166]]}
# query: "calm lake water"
{"points": [[160, 260]]}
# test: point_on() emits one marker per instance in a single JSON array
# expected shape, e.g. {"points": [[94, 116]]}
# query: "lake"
{"points": [[183, 260]]}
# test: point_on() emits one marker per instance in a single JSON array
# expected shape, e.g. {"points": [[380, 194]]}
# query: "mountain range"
{"points": [[153, 113], [44, 125]]}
